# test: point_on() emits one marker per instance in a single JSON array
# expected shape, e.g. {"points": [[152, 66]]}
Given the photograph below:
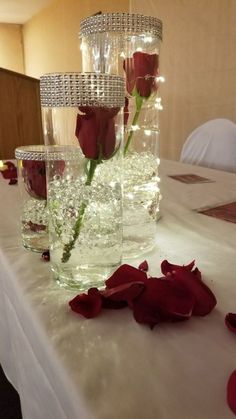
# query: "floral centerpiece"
{"points": [[115, 42], [85, 207]]}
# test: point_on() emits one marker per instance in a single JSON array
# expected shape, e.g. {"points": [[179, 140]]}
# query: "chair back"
{"points": [[213, 145]]}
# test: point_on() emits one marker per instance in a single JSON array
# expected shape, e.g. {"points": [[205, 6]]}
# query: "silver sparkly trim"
{"points": [[82, 89], [49, 153], [34, 152], [58, 153], [121, 22]]}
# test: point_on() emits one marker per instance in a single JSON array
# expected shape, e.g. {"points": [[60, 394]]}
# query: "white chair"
{"points": [[212, 144]]}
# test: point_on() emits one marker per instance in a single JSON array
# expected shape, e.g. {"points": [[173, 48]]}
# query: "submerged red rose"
{"points": [[141, 72], [34, 174], [95, 130]]}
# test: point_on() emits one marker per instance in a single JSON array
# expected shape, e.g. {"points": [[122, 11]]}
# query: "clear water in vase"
{"points": [[141, 203], [97, 251]]}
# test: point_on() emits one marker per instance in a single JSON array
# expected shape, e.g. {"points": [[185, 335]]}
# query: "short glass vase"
{"points": [[31, 168]]}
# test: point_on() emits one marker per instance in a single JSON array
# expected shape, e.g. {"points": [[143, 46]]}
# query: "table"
{"points": [[111, 367]]}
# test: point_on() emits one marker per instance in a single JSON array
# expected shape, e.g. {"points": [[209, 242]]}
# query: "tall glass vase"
{"points": [[129, 44], [84, 180], [141, 206]]}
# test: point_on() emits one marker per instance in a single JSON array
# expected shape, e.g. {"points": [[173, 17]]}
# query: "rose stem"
{"points": [[135, 119], [77, 227]]}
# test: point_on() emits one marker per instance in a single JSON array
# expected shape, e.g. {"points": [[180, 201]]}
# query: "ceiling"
{"points": [[19, 11]]}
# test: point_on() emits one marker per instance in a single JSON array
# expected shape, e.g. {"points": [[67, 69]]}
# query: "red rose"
{"points": [[95, 131], [34, 174], [143, 266], [141, 72]]}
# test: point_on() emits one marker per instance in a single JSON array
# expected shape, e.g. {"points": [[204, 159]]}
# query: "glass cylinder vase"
{"points": [[33, 195], [129, 44], [141, 201], [107, 39], [84, 193]]}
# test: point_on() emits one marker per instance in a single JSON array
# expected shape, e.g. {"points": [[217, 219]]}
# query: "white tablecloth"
{"points": [[111, 367]]}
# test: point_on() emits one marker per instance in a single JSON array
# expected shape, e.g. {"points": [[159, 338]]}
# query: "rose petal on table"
{"points": [[10, 172], [205, 300], [143, 266], [162, 300], [231, 392], [143, 314], [230, 321], [125, 292], [120, 296], [167, 267], [12, 181], [107, 302], [46, 255], [87, 305], [124, 274]]}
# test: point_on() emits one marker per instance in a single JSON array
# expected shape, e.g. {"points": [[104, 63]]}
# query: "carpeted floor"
{"points": [[9, 399]]}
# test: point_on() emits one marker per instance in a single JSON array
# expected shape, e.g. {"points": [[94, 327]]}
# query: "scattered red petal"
{"points": [[106, 302], [191, 280], [230, 321], [143, 266], [172, 298], [10, 172], [125, 292], [205, 300], [167, 267], [88, 306], [120, 296], [231, 392], [46, 256], [162, 300], [124, 274], [12, 181]]}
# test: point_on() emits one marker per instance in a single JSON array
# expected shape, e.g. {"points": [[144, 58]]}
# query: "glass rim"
{"points": [[48, 152], [30, 152], [121, 22]]}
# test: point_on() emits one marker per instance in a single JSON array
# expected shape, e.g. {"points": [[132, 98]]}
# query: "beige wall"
{"points": [[198, 56], [50, 38], [198, 60], [11, 47]]}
